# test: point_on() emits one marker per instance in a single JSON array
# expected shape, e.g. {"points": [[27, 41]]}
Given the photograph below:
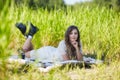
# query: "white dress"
{"points": [[49, 53]]}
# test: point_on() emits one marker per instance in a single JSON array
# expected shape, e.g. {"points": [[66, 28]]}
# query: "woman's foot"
{"points": [[21, 53], [33, 29], [21, 27]]}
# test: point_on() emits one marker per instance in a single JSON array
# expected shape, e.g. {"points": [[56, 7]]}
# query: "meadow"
{"points": [[100, 36]]}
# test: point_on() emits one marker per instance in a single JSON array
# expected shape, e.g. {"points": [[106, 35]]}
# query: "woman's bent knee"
{"points": [[27, 54], [27, 49]]}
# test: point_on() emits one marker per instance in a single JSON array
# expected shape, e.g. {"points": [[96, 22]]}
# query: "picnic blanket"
{"points": [[45, 66]]}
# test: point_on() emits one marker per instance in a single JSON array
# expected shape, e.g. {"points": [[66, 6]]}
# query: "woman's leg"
{"points": [[27, 47]]}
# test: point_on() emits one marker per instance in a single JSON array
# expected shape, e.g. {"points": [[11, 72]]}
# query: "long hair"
{"points": [[71, 51]]}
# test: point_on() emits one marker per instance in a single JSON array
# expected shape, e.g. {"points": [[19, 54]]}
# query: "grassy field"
{"points": [[100, 36]]}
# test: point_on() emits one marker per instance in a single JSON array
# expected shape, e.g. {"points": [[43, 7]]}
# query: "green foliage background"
{"points": [[99, 28]]}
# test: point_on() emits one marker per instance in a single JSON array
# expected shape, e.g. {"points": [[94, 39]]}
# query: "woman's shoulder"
{"points": [[62, 42], [62, 46]]}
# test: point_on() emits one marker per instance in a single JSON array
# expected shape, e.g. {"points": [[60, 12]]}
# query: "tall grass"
{"points": [[99, 29]]}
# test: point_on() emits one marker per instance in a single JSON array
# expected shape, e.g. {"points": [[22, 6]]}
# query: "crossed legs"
{"points": [[28, 46]]}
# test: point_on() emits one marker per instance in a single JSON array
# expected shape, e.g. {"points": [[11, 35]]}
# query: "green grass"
{"points": [[100, 34]]}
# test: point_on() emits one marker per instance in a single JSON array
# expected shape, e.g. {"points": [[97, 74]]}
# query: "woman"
{"points": [[68, 49]]}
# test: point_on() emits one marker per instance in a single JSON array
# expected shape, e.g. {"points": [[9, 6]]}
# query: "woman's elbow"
{"points": [[80, 58]]}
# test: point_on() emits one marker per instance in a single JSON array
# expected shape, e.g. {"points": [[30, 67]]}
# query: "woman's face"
{"points": [[73, 36]]}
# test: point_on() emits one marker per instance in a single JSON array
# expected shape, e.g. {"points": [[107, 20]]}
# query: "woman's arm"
{"points": [[79, 54], [65, 57]]}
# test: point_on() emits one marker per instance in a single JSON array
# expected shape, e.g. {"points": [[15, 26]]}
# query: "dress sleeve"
{"points": [[62, 48]]}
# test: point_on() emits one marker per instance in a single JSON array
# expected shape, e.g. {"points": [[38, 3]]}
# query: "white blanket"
{"points": [[46, 66]]}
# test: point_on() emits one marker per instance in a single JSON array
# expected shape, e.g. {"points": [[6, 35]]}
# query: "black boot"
{"points": [[21, 53], [33, 29], [21, 27]]}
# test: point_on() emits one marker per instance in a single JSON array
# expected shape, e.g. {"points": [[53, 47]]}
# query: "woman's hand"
{"points": [[75, 44], [78, 54]]}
